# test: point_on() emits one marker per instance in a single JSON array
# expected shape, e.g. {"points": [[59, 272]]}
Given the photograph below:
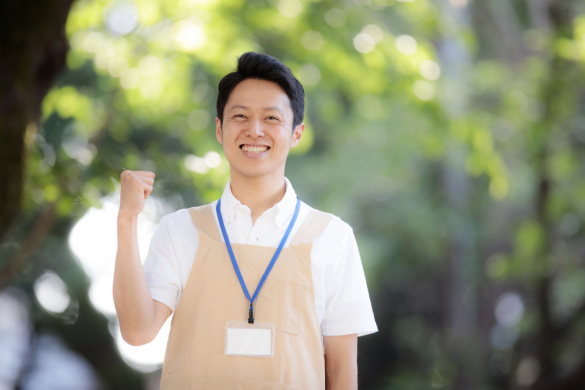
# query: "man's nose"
{"points": [[255, 128]]}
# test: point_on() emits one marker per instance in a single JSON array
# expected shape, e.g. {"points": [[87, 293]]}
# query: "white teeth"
{"points": [[254, 149]]}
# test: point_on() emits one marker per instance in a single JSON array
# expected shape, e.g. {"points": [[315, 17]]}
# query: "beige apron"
{"points": [[213, 296]]}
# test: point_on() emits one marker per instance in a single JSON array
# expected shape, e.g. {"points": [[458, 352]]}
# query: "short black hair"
{"points": [[263, 67]]}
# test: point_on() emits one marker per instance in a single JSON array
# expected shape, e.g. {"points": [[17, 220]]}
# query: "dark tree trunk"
{"points": [[33, 49], [562, 72]]}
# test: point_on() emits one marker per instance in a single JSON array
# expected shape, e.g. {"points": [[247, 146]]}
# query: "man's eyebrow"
{"points": [[271, 108]]}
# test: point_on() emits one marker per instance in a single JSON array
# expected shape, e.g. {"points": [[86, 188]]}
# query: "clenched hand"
{"points": [[136, 187]]}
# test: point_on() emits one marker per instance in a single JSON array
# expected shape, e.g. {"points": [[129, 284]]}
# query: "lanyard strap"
{"points": [[268, 269]]}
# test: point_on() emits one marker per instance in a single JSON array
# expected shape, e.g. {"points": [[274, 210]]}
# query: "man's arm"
{"points": [[140, 317], [341, 362]]}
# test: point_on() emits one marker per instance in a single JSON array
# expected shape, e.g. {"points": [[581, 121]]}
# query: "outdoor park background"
{"points": [[450, 134]]}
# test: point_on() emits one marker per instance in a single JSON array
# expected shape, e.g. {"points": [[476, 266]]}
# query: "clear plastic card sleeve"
{"points": [[243, 339]]}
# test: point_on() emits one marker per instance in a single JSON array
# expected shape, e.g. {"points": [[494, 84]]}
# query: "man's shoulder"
{"points": [[183, 214], [177, 221], [336, 224], [176, 216], [180, 221]]}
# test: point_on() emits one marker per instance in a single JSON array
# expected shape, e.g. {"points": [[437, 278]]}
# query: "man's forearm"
{"points": [[343, 378], [341, 362], [131, 295]]}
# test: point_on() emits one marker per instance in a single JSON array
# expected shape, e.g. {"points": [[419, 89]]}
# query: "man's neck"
{"points": [[259, 194]]}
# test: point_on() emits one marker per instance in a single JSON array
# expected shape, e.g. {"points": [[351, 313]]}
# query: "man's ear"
{"points": [[297, 134], [218, 133]]}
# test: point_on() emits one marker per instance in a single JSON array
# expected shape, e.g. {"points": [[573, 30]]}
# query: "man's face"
{"points": [[257, 132]]}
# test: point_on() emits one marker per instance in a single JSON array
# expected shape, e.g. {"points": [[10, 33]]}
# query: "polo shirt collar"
{"points": [[280, 212]]}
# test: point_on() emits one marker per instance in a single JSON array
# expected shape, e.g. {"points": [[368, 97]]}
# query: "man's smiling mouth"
{"points": [[254, 149]]}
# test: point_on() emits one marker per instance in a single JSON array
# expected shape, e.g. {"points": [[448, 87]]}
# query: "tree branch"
{"points": [[38, 233]]}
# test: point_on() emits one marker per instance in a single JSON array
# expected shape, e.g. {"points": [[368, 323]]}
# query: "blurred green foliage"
{"points": [[449, 134]]}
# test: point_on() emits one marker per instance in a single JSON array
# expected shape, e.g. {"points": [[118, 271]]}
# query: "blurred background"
{"points": [[450, 134]]}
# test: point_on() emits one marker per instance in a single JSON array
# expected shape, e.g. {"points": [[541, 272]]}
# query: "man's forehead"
{"points": [[258, 94]]}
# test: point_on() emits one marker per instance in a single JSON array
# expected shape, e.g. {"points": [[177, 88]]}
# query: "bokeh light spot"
{"points": [[364, 43], [55, 366], [122, 17], [96, 254], [103, 56], [499, 187], [76, 144], [130, 79], [189, 35], [118, 66], [51, 292], [430, 70], [212, 159], [335, 17], [151, 89], [423, 90], [92, 42], [150, 66], [309, 75], [509, 309], [14, 335], [101, 297], [290, 8], [196, 164], [458, 3], [374, 31], [528, 371], [406, 44], [312, 40]]}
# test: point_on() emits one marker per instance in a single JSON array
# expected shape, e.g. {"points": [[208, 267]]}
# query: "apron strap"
{"points": [[313, 225], [204, 220]]}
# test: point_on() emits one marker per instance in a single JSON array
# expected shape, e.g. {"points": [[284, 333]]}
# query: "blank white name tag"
{"points": [[243, 339]]}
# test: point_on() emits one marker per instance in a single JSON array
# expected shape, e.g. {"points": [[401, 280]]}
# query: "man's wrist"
{"points": [[125, 219]]}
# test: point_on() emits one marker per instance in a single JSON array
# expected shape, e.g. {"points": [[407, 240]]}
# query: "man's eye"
{"points": [[273, 118]]}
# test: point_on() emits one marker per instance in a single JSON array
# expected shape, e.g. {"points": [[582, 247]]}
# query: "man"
{"points": [[247, 315]]}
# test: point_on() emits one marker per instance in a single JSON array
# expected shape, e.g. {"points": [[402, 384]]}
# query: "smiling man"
{"points": [[266, 292]]}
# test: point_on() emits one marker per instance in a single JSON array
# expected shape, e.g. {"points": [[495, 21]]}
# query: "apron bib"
{"points": [[195, 356]]}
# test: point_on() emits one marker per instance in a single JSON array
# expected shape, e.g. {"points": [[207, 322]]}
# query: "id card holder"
{"points": [[244, 339]]}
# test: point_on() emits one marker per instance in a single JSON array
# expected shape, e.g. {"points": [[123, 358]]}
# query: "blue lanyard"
{"points": [[268, 269]]}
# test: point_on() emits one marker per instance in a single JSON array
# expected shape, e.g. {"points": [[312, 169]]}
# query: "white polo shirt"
{"points": [[341, 295]]}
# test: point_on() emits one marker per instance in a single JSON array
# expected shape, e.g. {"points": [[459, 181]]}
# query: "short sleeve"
{"points": [[161, 269], [348, 308]]}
